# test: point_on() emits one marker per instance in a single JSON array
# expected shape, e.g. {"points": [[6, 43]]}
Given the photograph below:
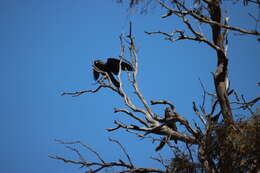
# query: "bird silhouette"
{"points": [[112, 66]]}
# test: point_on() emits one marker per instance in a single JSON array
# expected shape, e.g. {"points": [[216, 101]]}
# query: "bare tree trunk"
{"points": [[220, 77], [221, 72]]}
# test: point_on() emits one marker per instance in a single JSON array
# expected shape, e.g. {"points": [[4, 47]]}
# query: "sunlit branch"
{"points": [[132, 115], [204, 19], [154, 102]]}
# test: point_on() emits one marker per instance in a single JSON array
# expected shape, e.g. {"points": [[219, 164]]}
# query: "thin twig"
{"points": [[123, 149], [204, 19], [84, 145]]}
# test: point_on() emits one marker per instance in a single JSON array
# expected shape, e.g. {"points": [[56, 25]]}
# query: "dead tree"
{"points": [[214, 139]]}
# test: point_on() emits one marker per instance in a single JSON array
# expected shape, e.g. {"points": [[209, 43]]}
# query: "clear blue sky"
{"points": [[47, 47]]}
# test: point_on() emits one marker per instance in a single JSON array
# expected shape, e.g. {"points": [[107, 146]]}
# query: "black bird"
{"points": [[111, 67]]}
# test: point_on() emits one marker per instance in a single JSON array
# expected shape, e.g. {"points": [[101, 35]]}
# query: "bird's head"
{"points": [[167, 110], [97, 62]]}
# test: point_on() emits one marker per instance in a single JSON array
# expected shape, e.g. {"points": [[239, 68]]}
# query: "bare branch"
{"points": [[141, 169], [67, 160], [204, 19], [102, 85], [246, 105], [161, 161], [184, 37], [114, 128], [121, 146], [142, 136], [132, 115], [195, 109], [99, 166], [77, 93], [84, 145], [77, 152], [164, 130], [250, 103], [190, 154], [154, 102]]}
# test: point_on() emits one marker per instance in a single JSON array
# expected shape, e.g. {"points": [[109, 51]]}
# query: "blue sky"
{"points": [[47, 47]]}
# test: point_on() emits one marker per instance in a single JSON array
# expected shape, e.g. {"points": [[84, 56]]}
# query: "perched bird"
{"points": [[112, 66], [168, 114]]}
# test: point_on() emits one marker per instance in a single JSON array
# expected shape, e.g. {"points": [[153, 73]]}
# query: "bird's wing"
{"points": [[113, 65], [95, 74], [161, 145]]}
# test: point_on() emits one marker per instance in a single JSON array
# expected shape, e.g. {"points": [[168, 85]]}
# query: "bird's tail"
{"points": [[113, 80]]}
